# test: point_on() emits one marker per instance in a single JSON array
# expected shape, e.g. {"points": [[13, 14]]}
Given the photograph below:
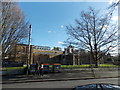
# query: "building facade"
{"points": [[71, 56], [44, 54], [38, 54], [19, 53]]}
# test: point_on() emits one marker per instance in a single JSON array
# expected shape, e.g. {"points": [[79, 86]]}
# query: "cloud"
{"points": [[114, 51], [62, 26], [114, 18], [51, 31], [105, 26], [59, 42], [112, 1]]}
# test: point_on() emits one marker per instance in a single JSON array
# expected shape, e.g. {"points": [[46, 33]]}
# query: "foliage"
{"points": [[88, 66], [11, 68], [63, 66]]}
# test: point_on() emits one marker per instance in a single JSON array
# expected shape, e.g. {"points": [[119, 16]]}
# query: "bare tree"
{"points": [[14, 26], [114, 4], [93, 32]]}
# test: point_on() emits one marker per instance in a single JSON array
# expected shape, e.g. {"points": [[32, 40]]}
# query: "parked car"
{"points": [[98, 86]]}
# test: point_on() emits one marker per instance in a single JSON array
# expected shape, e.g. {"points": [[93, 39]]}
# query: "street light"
{"points": [[29, 40]]}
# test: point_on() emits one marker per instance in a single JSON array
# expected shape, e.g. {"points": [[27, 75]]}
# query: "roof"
{"points": [[46, 64], [56, 64]]}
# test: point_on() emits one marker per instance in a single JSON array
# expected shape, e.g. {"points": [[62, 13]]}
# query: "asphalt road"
{"points": [[60, 84]]}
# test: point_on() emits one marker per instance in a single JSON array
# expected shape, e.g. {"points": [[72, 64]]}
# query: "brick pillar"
{"points": [[73, 59], [78, 59]]}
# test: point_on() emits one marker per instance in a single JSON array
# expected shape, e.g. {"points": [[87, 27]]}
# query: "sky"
{"points": [[49, 19]]}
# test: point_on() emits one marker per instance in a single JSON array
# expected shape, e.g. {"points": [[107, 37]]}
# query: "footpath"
{"points": [[63, 76]]}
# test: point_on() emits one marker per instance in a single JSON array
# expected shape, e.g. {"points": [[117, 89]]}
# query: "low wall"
{"points": [[71, 70], [75, 70], [13, 72]]}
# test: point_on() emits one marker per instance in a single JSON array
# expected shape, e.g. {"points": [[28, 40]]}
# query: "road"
{"points": [[60, 84]]}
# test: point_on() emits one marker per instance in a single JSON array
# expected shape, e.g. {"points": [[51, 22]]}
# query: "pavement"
{"points": [[63, 76]]}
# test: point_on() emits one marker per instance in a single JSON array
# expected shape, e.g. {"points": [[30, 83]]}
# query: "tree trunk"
{"points": [[96, 64], [96, 58]]}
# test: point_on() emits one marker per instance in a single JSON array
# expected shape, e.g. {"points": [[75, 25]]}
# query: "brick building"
{"points": [[40, 54], [71, 56], [19, 53], [44, 54]]}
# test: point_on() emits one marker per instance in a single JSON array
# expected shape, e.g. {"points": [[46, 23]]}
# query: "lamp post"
{"points": [[29, 40]]}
